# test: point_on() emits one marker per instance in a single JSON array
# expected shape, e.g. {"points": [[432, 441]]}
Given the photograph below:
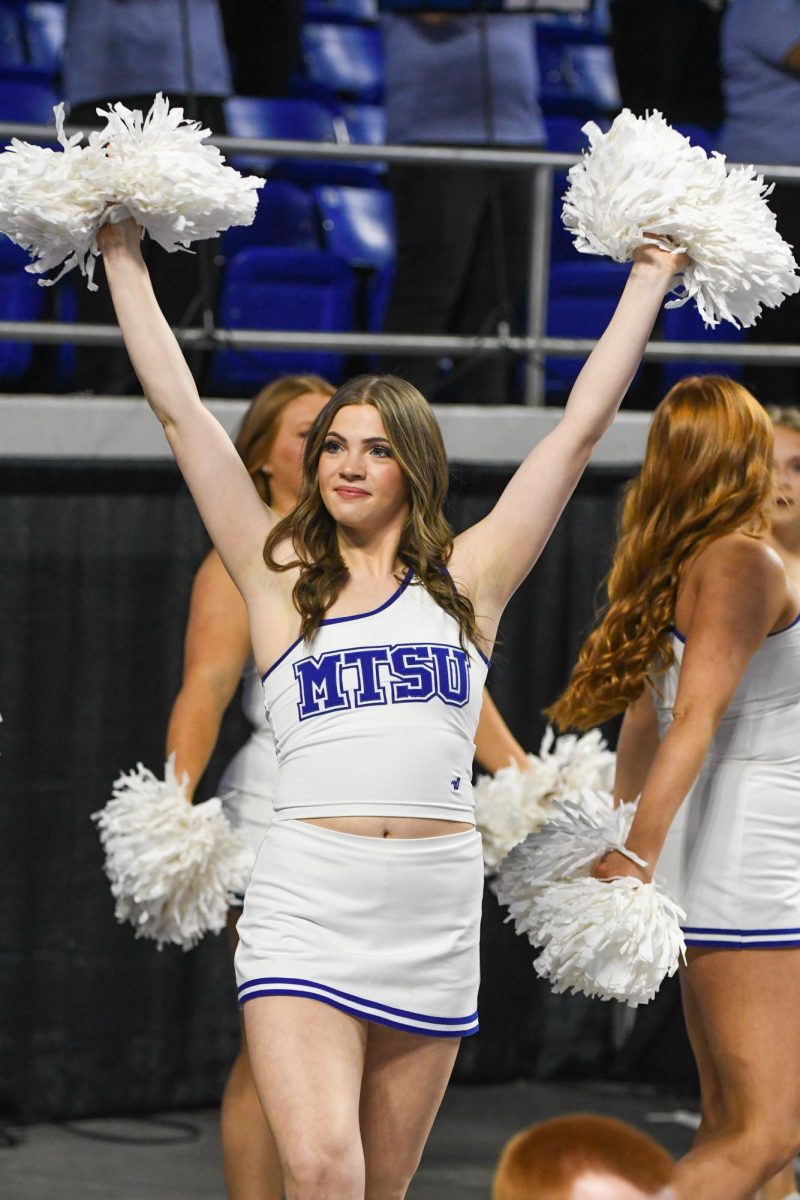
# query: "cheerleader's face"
{"points": [[786, 511], [361, 483], [284, 466]]}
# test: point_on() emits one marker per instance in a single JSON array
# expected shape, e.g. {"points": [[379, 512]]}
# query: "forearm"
{"points": [[675, 768], [607, 373], [495, 744], [193, 729], [636, 749], [154, 352]]}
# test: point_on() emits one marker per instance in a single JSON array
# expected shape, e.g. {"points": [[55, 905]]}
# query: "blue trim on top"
{"points": [[786, 628], [774, 633], [338, 620]]}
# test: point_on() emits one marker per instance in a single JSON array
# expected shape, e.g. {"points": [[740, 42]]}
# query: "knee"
{"points": [[771, 1142], [315, 1172], [389, 1182]]}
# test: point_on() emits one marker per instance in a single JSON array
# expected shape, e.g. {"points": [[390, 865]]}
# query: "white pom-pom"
{"points": [[614, 940], [155, 169], [52, 202], [161, 174], [515, 802], [172, 865], [644, 177]]}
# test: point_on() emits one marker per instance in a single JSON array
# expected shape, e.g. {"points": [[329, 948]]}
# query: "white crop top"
{"points": [[376, 715]]}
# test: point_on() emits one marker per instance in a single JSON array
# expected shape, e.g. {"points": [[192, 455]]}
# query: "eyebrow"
{"points": [[364, 441]]}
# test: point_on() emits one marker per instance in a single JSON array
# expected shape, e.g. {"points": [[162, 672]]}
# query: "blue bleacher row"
{"points": [[320, 254]]}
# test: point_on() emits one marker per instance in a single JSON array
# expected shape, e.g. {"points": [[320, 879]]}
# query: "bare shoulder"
{"points": [[736, 582], [740, 560]]}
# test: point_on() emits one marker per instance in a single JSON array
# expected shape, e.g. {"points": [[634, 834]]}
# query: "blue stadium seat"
{"points": [[358, 226], [299, 120], [343, 61], [685, 324], [286, 216], [27, 101], [583, 296], [45, 22], [12, 37], [564, 136], [278, 288], [21, 299], [366, 123], [576, 70], [348, 12]]}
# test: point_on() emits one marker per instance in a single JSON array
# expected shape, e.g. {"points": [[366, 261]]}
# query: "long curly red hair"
{"points": [[707, 471]]}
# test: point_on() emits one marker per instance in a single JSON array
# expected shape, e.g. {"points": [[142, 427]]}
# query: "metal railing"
{"points": [[534, 345]]}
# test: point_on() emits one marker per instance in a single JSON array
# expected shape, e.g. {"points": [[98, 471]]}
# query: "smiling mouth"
{"points": [[347, 491]]}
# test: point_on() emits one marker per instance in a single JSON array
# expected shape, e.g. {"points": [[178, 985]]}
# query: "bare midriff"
{"points": [[391, 827]]}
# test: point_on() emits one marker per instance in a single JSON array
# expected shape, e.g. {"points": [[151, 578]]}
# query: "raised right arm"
{"points": [[232, 510]]}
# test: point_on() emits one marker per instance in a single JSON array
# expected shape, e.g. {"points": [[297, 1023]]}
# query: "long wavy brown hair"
{"points": [[261, 422], [707, 471], [426, 541]]}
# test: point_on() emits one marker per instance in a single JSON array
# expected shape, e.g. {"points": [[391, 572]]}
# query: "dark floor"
{"points": [[56, 1162]]}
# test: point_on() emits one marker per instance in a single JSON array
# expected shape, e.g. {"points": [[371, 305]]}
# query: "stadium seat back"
{"points": [[282, 289], [21, 299], [286, 216], [344, 61]]}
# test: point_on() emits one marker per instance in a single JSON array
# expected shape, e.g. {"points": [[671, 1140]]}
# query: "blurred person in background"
{"points": [[128, 52], [463, 236], [264, 44], [761, 81], [667, 57]]}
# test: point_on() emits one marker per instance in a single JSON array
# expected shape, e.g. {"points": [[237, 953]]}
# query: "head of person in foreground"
{"points": [[707, 472], [582, 1157]]}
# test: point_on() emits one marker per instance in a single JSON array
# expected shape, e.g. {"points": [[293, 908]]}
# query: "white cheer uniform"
{"points": [[732, 855], [375, 716], [247, 786]]}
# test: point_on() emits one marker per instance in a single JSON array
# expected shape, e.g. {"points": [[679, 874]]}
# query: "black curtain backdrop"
{"points": [[96, 564]]}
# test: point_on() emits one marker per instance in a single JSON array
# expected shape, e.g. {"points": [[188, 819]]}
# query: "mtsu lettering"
{"points": [[366, 676]]}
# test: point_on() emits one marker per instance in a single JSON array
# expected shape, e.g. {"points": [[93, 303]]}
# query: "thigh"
{"points": [[307, 1059], [746, 1003], [405, 1077]]}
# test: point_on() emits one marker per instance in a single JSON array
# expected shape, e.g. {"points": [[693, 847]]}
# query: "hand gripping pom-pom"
{"points": [[612, 940], [173, 866], [515, 802], [155, 169], [643, 177]]}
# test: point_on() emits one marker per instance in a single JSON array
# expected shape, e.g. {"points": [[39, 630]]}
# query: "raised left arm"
{"points": [[491, 559]]}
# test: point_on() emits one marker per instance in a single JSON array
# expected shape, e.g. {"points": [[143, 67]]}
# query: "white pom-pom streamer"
{"points": [[155, 169], [613, 940], [644, 177], [515, 802], [172, 865], [52, 202]]}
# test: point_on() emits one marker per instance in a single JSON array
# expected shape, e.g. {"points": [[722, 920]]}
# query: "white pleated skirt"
{"points": [[385, 929], [732, 856]]}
